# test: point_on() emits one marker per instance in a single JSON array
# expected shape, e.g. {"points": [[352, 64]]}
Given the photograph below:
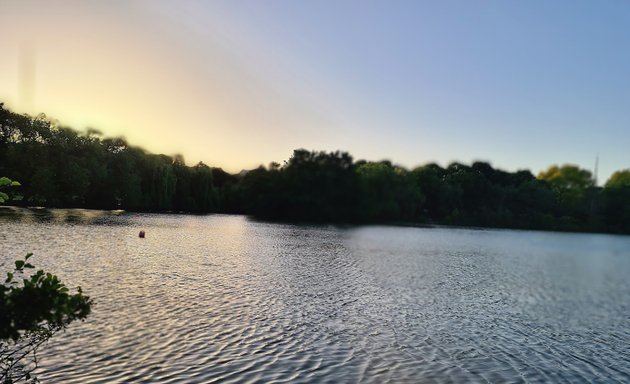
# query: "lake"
{"points": [[223, 298]]}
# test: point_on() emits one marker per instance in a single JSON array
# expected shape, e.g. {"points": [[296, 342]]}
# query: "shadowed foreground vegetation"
{"points": [[59, 167], [32, 309]]}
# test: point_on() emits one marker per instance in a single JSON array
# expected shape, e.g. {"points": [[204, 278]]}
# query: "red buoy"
{"points": [[141, 235]]}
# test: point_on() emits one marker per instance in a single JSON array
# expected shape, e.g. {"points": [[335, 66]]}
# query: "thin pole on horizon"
{"points": [[595, 169]]}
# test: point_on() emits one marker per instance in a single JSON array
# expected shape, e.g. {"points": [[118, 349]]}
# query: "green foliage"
{"points": [[30, 303], [32, 309], [576, 194], [387, 193], [311, 186], [616, 202], [318, 186], [567, 177], [5, 182], [619, 179], [62, 168], [569, 182]]}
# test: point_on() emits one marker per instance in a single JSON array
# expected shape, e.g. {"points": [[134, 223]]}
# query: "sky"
{"points": [[236, 84]]}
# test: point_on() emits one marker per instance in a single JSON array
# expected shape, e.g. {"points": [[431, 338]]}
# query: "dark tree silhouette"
{"points": [[60, 167]]}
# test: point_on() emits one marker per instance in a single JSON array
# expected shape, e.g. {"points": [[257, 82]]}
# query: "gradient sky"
{"points": [[522, 84]]}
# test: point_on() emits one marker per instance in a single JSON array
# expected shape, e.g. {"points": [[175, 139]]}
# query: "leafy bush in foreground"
{"points": [[32, 309]]}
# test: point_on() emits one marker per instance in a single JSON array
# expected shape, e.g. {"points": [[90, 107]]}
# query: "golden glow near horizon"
{"points": [[148, 77], [239, 83]]}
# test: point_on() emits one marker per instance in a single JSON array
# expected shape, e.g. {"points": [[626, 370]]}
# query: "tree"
{"points": [[619, 179], [568, 177], [60, 167], [32, 309], [319, 186], [569, 182], [617, 202], [387, 193]]}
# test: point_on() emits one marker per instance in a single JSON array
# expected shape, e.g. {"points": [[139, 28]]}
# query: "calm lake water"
{"points": [[226, 299]]}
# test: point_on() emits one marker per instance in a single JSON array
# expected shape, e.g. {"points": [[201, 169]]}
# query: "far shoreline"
{"points": [[17, 209]]}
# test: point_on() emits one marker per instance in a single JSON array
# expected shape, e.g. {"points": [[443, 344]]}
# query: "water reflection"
{"points": [[222, 298], [72, 216]]}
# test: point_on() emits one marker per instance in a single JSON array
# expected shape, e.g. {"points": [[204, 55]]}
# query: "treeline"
{"points": [[318, 186], [59, 167]]}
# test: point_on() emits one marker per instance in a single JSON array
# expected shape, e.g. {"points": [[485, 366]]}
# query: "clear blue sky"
{"points": [[522, 84]]}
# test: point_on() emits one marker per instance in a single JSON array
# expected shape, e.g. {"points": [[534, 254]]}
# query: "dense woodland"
{"points": [[60, 167]]}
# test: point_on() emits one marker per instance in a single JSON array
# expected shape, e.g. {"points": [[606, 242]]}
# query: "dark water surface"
{"points": [[225, 299]]}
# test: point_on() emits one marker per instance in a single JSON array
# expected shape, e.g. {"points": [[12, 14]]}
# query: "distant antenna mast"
{"points": [[595, 171]]}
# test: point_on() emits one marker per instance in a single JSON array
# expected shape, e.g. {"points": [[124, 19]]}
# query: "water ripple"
{"points": [[208, 299]]}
